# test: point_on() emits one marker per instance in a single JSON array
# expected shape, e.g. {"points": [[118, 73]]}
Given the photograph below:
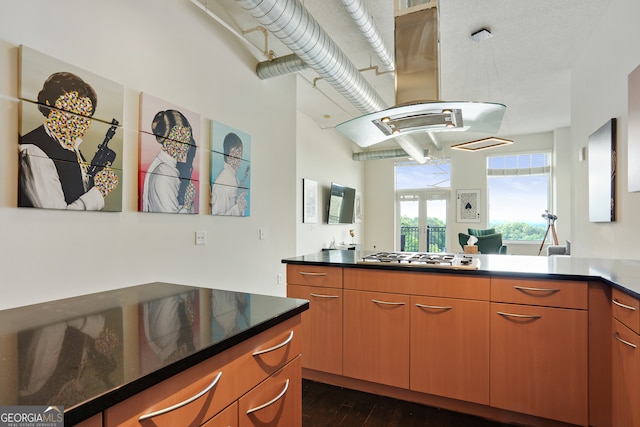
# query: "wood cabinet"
{"points": [[450, 348], [376, 337], [197, 394], [276, 402], [539, 353], [227, 418], [322, 323], [625, 357]]}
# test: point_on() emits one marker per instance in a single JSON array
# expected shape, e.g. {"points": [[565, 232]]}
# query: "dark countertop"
{"points": [[619, 273], [90, 352]]}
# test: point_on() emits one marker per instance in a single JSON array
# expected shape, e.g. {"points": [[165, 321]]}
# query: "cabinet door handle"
{"points": [[619, 304], [630, 344], [184, 402], [433, 307], [524, 288], [275, 347], [520, 316], [387, 302], [306, 273], [323, 296], [272, 401]]}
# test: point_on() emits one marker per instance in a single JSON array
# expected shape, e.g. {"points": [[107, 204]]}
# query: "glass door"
{"points": [[422, 221]]}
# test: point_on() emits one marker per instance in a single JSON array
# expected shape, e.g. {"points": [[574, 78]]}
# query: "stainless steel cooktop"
{"points": [[422, 259]]}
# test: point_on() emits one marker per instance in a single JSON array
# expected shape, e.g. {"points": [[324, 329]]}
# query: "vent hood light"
{"points": [[434, 116]]}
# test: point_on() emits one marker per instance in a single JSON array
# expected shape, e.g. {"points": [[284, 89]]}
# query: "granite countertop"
{"points": [[619, 273], [90, 352]]}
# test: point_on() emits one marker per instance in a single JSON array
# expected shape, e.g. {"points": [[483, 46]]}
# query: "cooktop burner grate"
{"points": [[418, 259]]}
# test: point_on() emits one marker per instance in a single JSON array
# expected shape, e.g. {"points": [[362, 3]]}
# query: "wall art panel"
{"points": [[230, 171], [74, 116]]}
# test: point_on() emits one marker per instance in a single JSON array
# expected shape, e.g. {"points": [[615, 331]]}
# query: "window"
{"points": [[519, 194], [422, 193]]}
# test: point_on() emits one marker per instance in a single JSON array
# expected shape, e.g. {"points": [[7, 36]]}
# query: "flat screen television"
{"points": [[341, 204]]}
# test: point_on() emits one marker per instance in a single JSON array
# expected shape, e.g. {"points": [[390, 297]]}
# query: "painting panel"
{"points": [[230, 171], [168, 141], [602, 173], [41, 75], [468, 202], [71, 115], [633, 127], [309, 201]]}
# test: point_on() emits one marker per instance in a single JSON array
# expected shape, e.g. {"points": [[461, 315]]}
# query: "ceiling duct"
{"points": [[294, 26], [383, 154], [418, 108]]}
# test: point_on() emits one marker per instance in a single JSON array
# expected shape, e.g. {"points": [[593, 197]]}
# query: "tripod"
{"points": [[551, 225]]}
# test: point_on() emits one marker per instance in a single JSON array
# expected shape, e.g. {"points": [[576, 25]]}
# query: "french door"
{"points": [[422, 221]]}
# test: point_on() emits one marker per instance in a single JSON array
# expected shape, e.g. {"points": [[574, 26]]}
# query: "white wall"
{"points": [[599, 93], [325, 157], [171, 50]]}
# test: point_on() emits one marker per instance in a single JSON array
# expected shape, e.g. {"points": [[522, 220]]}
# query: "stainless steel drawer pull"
{"points": [[323, 296], [306, 273], [619, 304], [521, 316], [524, 288], [630, 344], [272, 401], [387, 302], [275, 347], [183, 403], [433, 307]]}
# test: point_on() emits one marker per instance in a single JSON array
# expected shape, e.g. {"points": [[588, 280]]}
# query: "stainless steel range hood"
{"points": [[418, 108]]}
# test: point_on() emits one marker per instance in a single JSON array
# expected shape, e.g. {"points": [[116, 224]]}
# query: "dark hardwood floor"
{"points": [[329, 406]]}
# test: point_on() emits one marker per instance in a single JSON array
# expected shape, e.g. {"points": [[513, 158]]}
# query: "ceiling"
{"points": [[525, 65]]}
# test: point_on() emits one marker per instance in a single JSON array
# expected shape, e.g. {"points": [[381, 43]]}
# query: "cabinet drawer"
{"points": [[548, 293], [314, 275], [418, 283], [626, 309], [276, 402], [625, 376], [226, 418], [239, 369]]}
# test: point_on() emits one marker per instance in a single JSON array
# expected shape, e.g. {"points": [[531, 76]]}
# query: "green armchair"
{"points": [[487, 243]]}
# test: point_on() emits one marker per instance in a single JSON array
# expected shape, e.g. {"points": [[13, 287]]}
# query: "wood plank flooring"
{"points": [[329, 406]]}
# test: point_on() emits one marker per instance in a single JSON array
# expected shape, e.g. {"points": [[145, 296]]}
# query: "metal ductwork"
{"points": [[281, 66], [294, 26], [363, 20], [383, 154], [290, 22]]}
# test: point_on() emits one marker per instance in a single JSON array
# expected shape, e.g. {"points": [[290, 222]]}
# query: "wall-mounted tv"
{"points": [[341, 204]]}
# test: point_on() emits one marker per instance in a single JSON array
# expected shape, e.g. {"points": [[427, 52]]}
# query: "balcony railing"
{"points": [[436, 239]]}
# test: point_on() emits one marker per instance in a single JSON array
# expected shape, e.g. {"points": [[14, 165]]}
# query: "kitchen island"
{"points": [[518, 339], [156, 354]]}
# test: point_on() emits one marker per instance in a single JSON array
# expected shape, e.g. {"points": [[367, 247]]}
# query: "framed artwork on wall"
{"points": [[70, 136], [602, 173], [468, 202], [633, 128], [309, 201], [168, 172], [230, 171]]}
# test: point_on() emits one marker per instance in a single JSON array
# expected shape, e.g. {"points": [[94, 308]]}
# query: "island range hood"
{"points": [[418, 108]]}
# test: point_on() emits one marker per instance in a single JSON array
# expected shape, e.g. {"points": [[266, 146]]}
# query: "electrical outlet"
{"points": [[280, 278]]}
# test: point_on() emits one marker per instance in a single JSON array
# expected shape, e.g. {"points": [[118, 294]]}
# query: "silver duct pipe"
{"points": [[383, 154], [363, 20], [290, 22], [281, 66]]}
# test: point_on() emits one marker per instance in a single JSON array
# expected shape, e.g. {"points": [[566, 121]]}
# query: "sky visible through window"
{"points": [[413, 176], [518, 198]]}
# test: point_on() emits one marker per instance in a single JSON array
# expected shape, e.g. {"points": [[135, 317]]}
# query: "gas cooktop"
{"points": [[422, 259]]}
